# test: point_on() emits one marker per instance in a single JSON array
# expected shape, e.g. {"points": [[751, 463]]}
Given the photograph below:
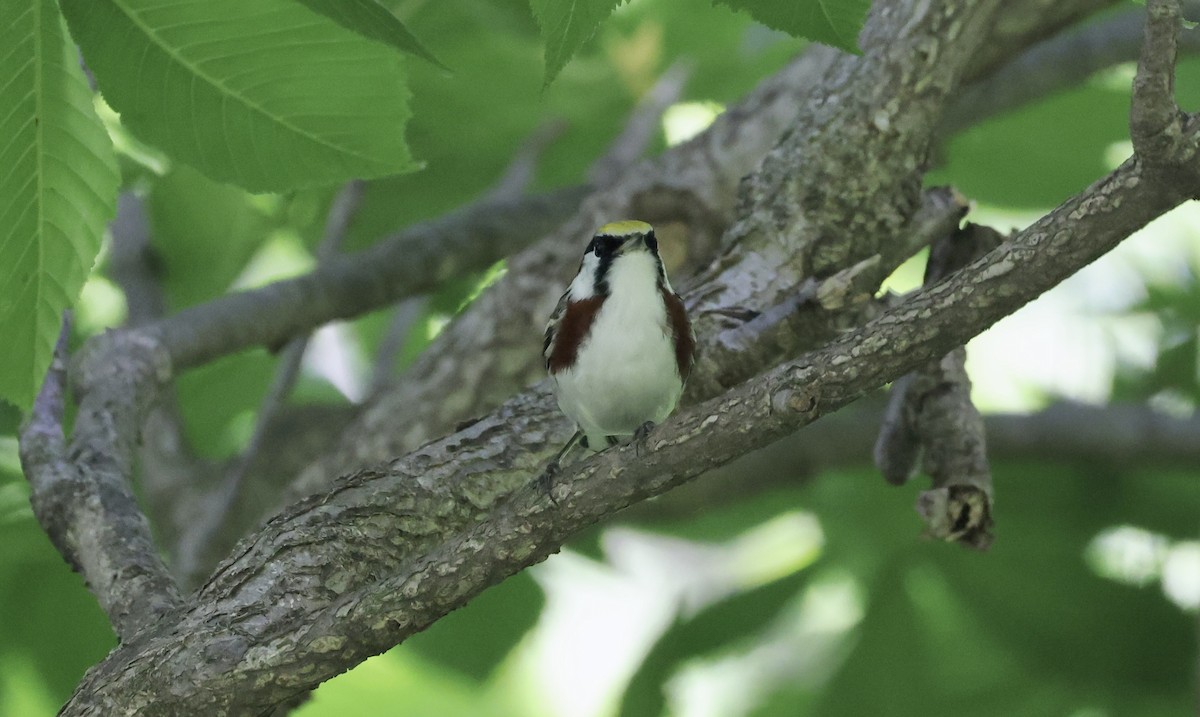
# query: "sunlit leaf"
{"points": [[268, 94], [58, 184]]}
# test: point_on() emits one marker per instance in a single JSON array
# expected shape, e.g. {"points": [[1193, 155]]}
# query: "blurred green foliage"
{"points": [[1027, 629]]}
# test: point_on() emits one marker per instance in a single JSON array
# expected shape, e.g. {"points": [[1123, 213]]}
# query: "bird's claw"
{"points": [[545, 481], [640, 434]]}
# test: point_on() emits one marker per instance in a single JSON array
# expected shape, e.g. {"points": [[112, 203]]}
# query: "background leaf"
{"points": [[833, 22], [204, 233], [268, 95], [369, 19], [58, 185], [566, 25]]}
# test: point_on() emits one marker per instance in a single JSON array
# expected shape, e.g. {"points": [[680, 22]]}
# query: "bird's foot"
{"points": [[640, 434], [545, 481]]}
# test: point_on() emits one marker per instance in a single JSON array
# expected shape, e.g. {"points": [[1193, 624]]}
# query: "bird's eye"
{"points": [[593, 247], [652, 242]]}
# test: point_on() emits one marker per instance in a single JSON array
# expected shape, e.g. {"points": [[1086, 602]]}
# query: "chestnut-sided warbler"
{"points": [[619, 344]]}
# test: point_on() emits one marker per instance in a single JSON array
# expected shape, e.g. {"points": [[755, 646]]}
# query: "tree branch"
{"points": [[1156, 123], [413, 262], [305, 598], [82, 500], [171, 472], [641, 128]]}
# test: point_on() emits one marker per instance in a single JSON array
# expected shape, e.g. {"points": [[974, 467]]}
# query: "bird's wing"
{"points": [[552, 327]]}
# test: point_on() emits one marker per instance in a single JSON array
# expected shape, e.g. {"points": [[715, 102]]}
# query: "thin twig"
{"points": [[133, 264], [510, 187], [404, 316], [42, 439]]}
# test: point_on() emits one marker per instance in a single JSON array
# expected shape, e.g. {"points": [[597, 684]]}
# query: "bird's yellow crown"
{"points": [[624, 228]]}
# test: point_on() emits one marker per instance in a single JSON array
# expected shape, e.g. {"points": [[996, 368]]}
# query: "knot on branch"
{"points": [[959, 514], [131, 358]]}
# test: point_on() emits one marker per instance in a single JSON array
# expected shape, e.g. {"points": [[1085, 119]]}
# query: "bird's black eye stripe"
{"points": [[605, 245], [652, 241]]}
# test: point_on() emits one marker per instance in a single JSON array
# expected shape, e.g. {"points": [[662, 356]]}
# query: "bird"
{"points": [[619, 345]]}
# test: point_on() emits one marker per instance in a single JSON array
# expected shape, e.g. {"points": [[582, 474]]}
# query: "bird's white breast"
{"points": [[625, 372]]}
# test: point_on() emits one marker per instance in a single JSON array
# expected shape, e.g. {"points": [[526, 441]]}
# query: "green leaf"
{"points": [[833, 22], [268, 94], [369, 19], [58, 186], [566, 25]]}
